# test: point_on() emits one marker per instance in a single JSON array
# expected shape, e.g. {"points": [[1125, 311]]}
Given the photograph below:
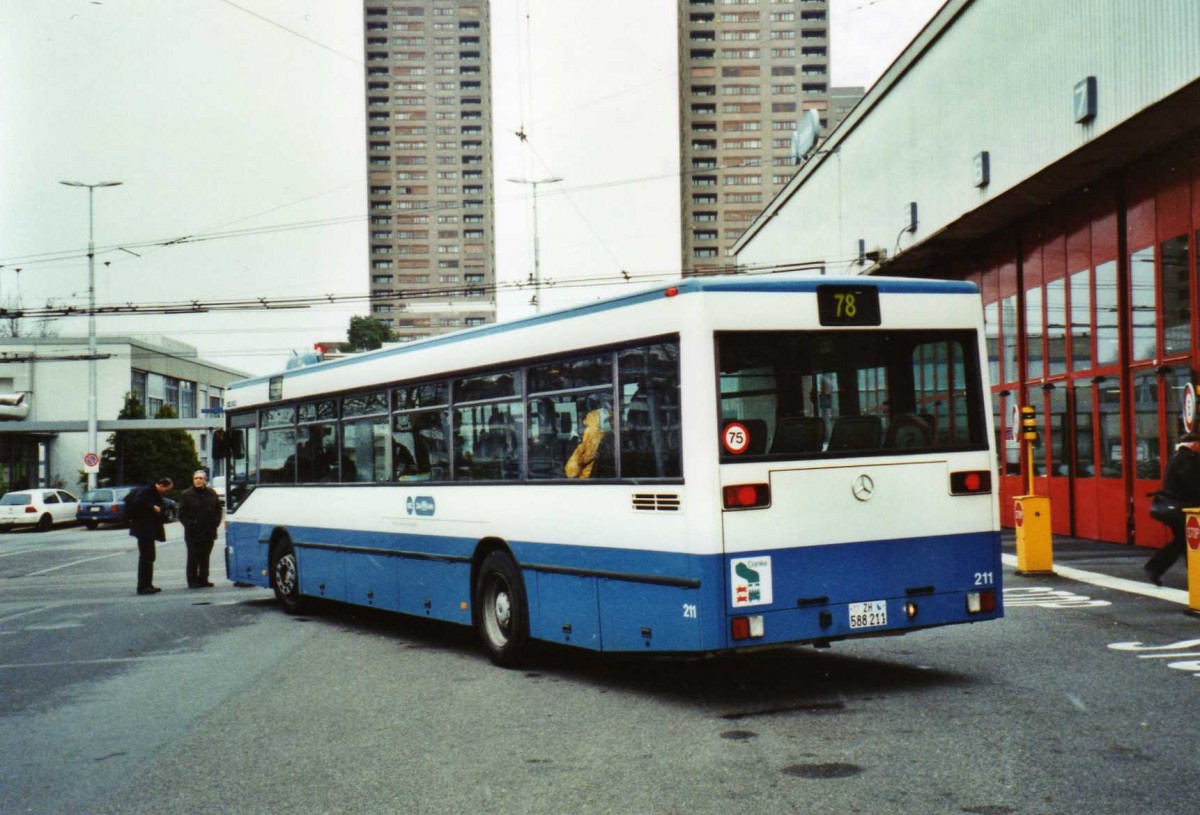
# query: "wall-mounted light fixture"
{"points": [[909, 216], [862, 252], [1085, 100], [981, 169]]}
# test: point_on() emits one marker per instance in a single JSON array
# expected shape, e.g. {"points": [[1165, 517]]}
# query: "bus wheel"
{"points": [[285, 578], [501, 615]]}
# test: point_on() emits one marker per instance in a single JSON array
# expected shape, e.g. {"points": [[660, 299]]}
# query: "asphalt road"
{"points": [[213, 701]]}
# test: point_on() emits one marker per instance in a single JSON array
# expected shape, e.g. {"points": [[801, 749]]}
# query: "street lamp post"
{"points": [[537, 272], [93, 445]]}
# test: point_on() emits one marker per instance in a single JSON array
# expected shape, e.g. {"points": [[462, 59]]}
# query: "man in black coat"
{"points": [[145, 509], [200, 514], [1182, 486]]}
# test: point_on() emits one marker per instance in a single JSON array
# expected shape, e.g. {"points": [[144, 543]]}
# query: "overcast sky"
{"points": [[238, 125]]}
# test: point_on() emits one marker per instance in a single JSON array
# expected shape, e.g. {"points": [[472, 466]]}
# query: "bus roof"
{"points": [[791, 282]]}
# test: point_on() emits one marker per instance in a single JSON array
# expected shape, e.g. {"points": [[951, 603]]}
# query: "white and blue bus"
{"points": [[715, 464]]}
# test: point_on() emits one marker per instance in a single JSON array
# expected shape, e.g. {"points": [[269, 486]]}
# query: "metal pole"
{"points": [[91, 418], [93, 443], [537, 267]]}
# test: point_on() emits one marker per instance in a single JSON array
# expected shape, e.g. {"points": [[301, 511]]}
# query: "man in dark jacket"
{"points": [[200, 514], [145, 509], [1182, 486]]}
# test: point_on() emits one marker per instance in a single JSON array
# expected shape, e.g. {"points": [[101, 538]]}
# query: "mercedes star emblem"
{"points": [[863, 488]]}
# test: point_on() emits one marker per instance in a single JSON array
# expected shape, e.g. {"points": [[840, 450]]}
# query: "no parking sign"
{"points": [[91, 463]]}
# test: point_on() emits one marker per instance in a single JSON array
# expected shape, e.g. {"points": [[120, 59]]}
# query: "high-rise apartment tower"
{"points": [[429, 164], [749, 69]]}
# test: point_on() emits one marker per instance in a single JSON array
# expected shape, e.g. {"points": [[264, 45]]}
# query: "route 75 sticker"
{"points": [[750, 581]]}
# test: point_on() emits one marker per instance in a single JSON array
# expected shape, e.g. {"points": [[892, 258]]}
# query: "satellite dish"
{"points": [[805, 136]]}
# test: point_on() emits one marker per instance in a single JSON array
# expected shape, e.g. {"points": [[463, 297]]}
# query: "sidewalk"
{"points": [[1113, 565]]}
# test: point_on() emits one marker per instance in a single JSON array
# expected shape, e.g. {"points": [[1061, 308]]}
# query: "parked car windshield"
{"points": [[13, 499], [98, 496]]}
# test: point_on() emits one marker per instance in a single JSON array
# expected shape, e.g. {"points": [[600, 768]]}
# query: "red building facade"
{"points": [[1091, 305]]}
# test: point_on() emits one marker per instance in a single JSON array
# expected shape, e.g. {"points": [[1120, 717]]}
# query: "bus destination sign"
{"points": [[848, 305]]}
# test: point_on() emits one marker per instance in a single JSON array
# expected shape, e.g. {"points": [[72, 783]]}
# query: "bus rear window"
{"points": [[800, 394]]}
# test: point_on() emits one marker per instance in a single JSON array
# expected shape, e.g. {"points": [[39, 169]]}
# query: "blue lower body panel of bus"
{"points": [[825, 593], [627, 600]]}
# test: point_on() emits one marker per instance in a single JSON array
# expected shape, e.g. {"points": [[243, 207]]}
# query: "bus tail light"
{"points": [[980, 601], [747, 496], [746, 628], [971, 482]]}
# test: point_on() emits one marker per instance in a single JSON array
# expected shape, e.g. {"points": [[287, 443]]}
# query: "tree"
{"points": [[143, 456], [368, 333]]}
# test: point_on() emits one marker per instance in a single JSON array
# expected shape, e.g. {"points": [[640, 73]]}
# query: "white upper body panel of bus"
{"points": [[693, 306]]}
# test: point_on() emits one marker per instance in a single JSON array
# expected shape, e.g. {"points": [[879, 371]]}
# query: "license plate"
{"points": [[96, 510], [868, 615]]}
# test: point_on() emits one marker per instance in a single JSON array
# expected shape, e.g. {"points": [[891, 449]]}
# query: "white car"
{"points": [[42, 508]]}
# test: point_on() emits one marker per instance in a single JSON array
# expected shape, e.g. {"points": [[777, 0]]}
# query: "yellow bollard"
{"points": [[1035, 548], [1192, 528]]}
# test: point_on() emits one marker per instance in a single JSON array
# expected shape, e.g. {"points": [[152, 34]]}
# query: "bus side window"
{"points": [[488, 442], [593, 456], [649, 428], [410, 456]]}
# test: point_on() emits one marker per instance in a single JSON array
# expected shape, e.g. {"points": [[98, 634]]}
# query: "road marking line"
{"points": [[75, 563], [1118, 583], [27, 612], [106, 661]]}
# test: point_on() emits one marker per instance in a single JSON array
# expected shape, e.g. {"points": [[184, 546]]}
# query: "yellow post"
{"points": [[1035, 551], [1035, 547], [1192, 527]]}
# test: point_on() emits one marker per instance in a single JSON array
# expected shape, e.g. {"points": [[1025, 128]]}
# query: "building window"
{"points": [[137, 385], [187, 400], [1142, 295], [1176, 297]]}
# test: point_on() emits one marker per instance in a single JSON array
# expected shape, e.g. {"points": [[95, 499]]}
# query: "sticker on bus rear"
{"points": [[750, 578], [736, 438]]}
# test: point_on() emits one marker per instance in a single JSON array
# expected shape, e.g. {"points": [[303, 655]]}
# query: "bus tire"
{"points": [[501, 612], [285, 578]]}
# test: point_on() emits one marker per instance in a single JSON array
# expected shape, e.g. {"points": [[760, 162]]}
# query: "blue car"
{"points": [[106, 505]]}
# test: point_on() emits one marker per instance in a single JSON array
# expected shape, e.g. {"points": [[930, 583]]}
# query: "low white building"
{"points": [[44, 400]]}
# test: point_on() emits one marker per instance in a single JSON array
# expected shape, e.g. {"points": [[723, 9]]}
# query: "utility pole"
{"points": [[537, 271], [91, 255]]}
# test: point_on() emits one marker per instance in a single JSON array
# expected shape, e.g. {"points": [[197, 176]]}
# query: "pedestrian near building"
{"points": [[200, 514], [145, 509], [1181, 488]]}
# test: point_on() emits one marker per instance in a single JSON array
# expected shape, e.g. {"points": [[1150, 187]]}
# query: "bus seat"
{"points": [[798, 434], [908, 431], [931, 421], [855, 433]]}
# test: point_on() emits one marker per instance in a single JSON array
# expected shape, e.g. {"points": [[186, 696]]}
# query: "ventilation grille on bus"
{"points": [[651, 502]]}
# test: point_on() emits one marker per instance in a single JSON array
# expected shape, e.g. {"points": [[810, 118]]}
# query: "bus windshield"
{"points": [[802, 394]]}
